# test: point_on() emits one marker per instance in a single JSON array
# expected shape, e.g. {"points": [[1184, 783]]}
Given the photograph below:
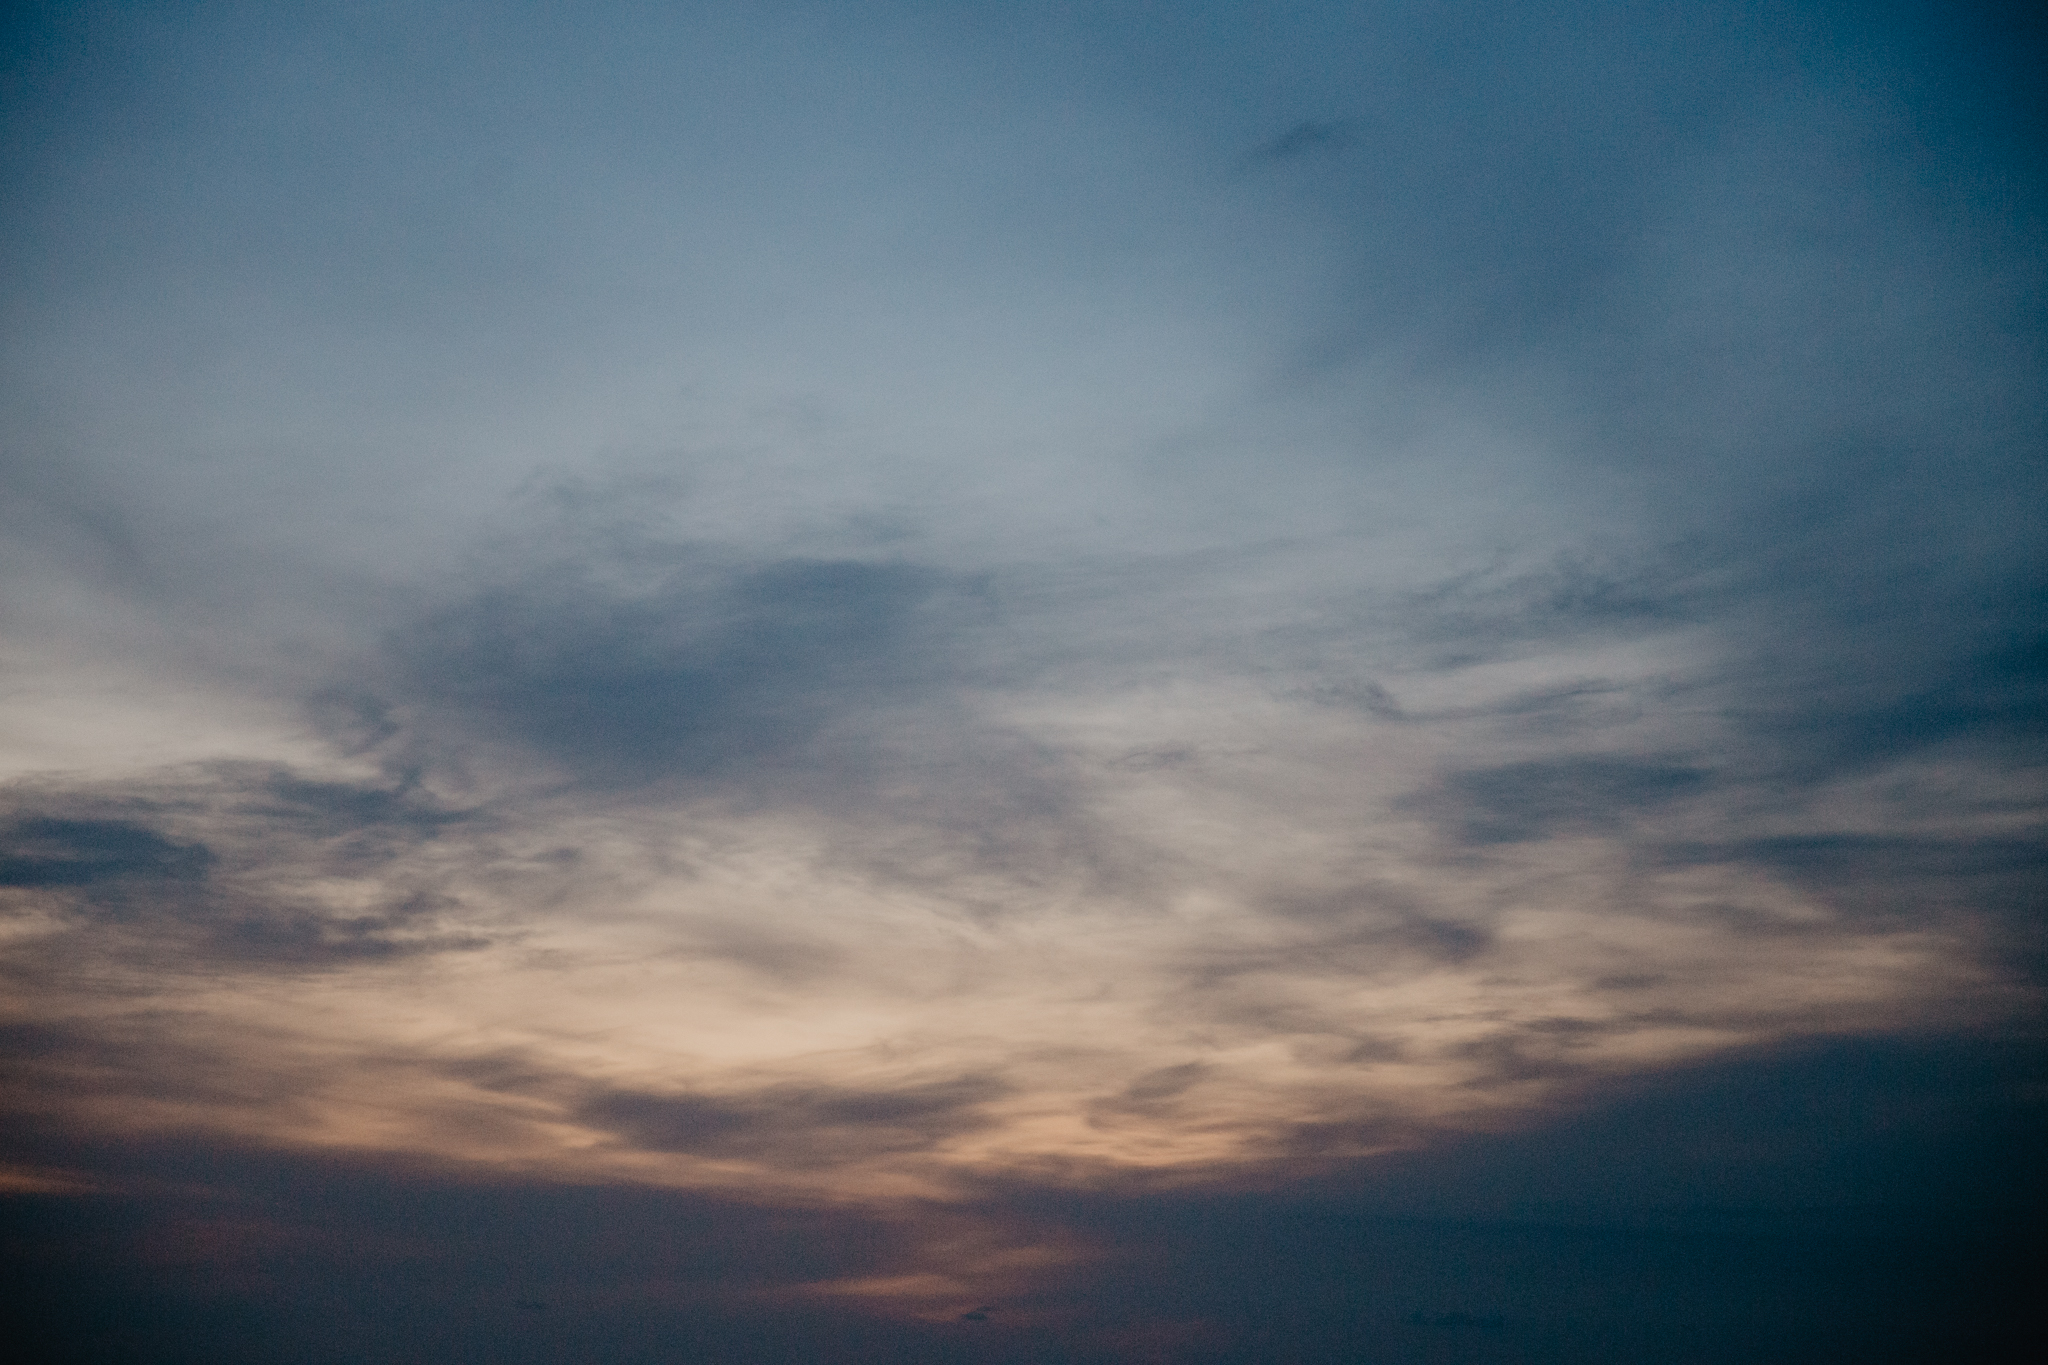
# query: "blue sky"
{"points": [[993, 627]]}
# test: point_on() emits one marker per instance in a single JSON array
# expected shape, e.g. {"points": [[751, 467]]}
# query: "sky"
{"points": [[1096, 682]]}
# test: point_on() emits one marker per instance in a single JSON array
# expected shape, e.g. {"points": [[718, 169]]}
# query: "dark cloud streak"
{"points": [[202, 867], [797, 1124], [1519, 802]]}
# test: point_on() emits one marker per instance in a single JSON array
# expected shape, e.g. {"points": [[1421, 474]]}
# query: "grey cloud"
{"points": [[1485, 205], [1576, 596], [1630, 981], [354, 721], [798, 1125], [710, 671], [1153, 1095], [49, 851], [48, 507], [643, 667], [1520, 802], [1835, 660], [1991, 698], [1434, 937], [1996, 882], [1753, 283], [1305, 139], [780, 957], [1536, 1050], [138, 1057], [1832, 856], [1732, 302], [354, 821], [1366, 922], [1166, 1082], [203, 865], [1698, 1215], [1153, 760], [1370, 697]]}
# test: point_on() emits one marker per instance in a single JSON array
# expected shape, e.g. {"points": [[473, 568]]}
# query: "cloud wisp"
{"points": [[825, 876], [960, 632]]}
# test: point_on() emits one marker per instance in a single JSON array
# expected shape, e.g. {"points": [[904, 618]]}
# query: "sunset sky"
{"points": [[1100, 682]]}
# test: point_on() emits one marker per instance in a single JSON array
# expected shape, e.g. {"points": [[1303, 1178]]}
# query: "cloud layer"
{"points": [[880, 618]]}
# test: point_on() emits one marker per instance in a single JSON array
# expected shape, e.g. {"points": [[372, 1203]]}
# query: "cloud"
{"points": [[1305, 139], [1518, 802], [711, 670], [45, 851], [798, 1125], [862, 624], [212, 866], [1578, 595], [1762, 1176]]}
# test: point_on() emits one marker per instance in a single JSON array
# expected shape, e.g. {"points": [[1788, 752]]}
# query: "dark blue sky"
{"points": [[1108, 682]]}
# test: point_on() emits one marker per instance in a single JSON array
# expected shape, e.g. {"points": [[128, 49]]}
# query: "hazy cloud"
{"points": [[1304, 139], [44, 851], [1522, 801], [801, 1125], [207, 867], [1007, 660], [710, 670]]}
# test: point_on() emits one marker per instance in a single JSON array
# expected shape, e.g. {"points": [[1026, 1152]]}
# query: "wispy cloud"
{"points": [[925, 628]]}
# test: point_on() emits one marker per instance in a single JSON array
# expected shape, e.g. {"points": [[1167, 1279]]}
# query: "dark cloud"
{"points": [[131, 1061], [1849, 1200], [1991, 697], [1166, 1082], [1152, 1095], [1836, 858], [1537, 1050], [710, 671], [206, 1252], [204, 866], [47, 851], [50, 507], [1367, 929], [1304, 139], [798, 1125], [1831, 1130], [1756, 273], [1820, 679], [1483, 613], [1994, 884], [1521, 802]]}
